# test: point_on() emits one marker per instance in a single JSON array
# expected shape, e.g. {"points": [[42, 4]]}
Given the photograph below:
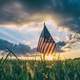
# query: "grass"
{"points": [[39, 70]]}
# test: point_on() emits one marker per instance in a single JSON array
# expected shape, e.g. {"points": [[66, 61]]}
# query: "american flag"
{"points": [[46, 43]]}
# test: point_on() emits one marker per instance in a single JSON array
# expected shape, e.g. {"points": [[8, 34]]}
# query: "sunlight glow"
{"points": [[49, 57], [50, 21]]}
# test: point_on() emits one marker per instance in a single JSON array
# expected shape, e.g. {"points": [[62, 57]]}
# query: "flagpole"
{"points": [[44, 54], [43, 57], [44, 25], [59, 56], [34, 47]]}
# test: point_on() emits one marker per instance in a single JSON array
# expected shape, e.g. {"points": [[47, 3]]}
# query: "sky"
{"points": [[21, 21]]}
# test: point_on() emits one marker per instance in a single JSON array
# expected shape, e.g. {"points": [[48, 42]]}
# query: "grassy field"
{"points": [[39, 70]]}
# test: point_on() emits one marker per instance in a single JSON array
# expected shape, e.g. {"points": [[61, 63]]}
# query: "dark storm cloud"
{"points": [[73, 24], [12, 11], [21, 10], [69, 10], [36, 5], [69, 7]]}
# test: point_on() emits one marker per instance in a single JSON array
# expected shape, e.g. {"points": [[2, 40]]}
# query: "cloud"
{"points": [[12, 11], [73, 24], [66, 13], [66, 7], [36, 5]]}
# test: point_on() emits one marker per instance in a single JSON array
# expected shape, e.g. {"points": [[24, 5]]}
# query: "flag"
{"points": [[46, 44]]}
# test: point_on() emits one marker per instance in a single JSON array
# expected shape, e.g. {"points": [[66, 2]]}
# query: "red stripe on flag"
{"points": [[44, 44], [52, 49], [46, 47], [41, 44], [40, 40], [49, 49]]}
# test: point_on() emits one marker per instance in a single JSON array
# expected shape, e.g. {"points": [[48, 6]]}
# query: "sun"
{"points": [[49, 57], [49, 21]]}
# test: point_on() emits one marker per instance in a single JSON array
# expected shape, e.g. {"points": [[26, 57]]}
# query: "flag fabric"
{"points": [[46, 43]]}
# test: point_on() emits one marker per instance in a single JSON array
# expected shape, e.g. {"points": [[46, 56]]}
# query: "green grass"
{"points": [[38, 70]]}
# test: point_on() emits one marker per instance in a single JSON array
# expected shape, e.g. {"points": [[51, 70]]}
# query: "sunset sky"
{"points": [[21, 21]]}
